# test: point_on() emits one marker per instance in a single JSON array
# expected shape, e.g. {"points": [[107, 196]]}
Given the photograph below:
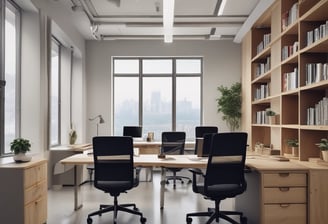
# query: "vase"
{"points": [[295, 151], [325, 155], [22, 157], [72, 137]]}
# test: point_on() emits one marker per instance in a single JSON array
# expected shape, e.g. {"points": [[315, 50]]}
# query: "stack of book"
{"points": [[318, 115], [262, 91], [316, 34], [290, 80], [262, 68], [290, 16], [316, 72], [289, 50], [266, 41]]}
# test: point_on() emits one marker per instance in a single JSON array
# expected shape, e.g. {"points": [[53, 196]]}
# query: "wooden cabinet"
{"points": [[23, 192], [284, 198], [289, 75]]}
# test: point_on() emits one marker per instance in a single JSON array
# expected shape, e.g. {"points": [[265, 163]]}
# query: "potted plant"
{"points": [[19, 147], [229, 103], [293, 143], [323, 146], [272, 116]]}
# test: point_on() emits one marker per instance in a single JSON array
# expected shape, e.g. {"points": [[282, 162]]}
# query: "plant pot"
{"points": [[295, 151], [274, 119], [21, 158], [325, 155]]}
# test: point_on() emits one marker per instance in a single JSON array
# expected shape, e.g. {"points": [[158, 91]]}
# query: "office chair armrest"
{"points": [[196, 171]]}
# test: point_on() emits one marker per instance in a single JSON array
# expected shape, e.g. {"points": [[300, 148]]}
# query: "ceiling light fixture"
{"points": [[168, 20], [222, 6]]}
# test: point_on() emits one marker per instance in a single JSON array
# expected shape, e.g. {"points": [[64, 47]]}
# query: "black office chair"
{"points": [[224, 177], [114, 172], [173, 142], [133, 131], [200, 131]]}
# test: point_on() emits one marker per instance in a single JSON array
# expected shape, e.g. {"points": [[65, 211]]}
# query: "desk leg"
{"points": [[77, 203], [163, 175]]}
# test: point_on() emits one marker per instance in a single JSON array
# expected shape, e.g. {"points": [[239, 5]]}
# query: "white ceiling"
{"points": [[142, 19]]}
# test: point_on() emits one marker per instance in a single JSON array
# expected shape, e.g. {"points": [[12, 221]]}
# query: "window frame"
{"points": [[54, 40], [174, 76], [17, 11]]}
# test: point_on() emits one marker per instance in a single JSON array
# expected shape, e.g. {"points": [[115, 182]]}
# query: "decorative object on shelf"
{"points": [[72, 137], [229, 103], [19, 147], [323, 146], [259, 147], [273, 117], [293, 143]]}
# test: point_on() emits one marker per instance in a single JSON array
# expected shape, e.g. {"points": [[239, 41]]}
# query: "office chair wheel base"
{"points": [[189, 220], [243, 220], [89, 220], [143, 220]]}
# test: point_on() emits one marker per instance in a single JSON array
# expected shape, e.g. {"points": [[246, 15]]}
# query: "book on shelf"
{"points": [[290, 80], [290, 16], [264, 43], [318, 115], [317, 33], [315, 72]]}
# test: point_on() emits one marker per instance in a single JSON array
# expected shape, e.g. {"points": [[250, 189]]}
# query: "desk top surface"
{"points": [[259, 163]]}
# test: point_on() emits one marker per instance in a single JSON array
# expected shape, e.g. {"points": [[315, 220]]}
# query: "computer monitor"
{"points": [[132, 131]]}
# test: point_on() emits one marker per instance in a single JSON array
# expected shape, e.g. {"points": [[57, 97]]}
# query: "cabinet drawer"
{"points": [[35, 174], [284, 195], [285, 214], [284, 179], [36, 212], [35, 192]]}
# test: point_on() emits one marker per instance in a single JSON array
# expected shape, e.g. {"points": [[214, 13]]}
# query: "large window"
{"points": [[160, 94], [10, 75], [55, 94]]}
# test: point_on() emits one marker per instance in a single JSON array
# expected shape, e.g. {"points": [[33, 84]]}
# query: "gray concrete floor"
{"points": [[178, 202]]}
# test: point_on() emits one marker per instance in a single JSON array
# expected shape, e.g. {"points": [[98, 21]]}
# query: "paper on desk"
{"points": [[61, 168]]}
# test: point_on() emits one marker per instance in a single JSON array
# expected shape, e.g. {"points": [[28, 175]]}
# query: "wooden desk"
{"points": [[149, 160], [278, 191]]}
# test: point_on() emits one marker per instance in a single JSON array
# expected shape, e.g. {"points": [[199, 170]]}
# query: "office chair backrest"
{"points": [[173, 142], [201, 130], [204, 147], [226, 160], [132, 131], [113, 158]]}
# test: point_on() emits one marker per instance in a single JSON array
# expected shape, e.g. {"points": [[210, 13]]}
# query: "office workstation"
{"points": [[73, 70]]}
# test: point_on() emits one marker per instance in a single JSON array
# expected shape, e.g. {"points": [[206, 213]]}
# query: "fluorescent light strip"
{"points": [[222, 6], [168, 20]]}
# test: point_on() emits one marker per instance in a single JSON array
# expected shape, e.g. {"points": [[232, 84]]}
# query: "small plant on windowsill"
{"points": [[19, 147], [323, 146]]}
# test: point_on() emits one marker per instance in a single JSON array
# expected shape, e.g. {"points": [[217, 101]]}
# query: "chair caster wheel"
{"points": [[189, 220], [243, 220], [143, 220], [89, 220]]}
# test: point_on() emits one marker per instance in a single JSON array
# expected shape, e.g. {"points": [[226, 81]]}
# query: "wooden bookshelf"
{"points": [[290, 75]]}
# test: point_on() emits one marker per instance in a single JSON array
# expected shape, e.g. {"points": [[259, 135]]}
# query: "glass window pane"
{"points": [[54, 95], [157, 105], [126, 66], [11, 78], [126, 103], [188, 100], [157, 66], [188, 66]]}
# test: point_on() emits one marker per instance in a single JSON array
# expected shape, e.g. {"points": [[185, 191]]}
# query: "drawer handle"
{"points": [[284, 189], [284, 174], [284, 205]]}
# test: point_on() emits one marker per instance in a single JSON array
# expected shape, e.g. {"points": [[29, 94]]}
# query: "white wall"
{"points": [[222, 66]]}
